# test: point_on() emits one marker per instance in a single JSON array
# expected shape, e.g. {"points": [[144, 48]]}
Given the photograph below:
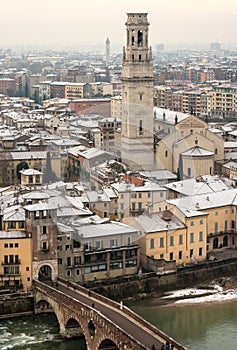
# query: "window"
{"points": [[192, 223], [87, 246], [171, 256], [5, 245], [105, 214], [171, 240], [166, 154], [27, 268], [200, 236], [129, 240], [77, 260], [191, 253], [11, 224], [113, 243], [122, 206], [68, 247], [201, 222], [226, 225], [44, 245], [200, 252], [44, 230], [21, 224], [226, 211], [180, 255], [162, 242], [68, 261], [233, 224], [11, 245], [161, 194], [180, 239], [133, 195], [216, 213], [152, 243], [105, 205], [216, 227], [189, 172], [98, 244], [139, 195], [192, 237]]}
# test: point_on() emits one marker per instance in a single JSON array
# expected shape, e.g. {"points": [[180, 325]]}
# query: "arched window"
{"points": [[139, 37]]}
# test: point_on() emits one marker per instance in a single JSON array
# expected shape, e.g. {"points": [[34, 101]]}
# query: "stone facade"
{"points": [[137, 95]]}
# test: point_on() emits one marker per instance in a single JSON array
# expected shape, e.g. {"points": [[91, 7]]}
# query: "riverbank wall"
{"points": [[196, 275], [135, 287], [16, 304]]}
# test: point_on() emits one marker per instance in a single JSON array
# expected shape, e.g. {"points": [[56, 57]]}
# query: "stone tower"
{"points": [[107, 43], [137, 140]]}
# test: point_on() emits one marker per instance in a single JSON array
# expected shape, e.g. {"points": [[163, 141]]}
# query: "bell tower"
{"points": [[137, 140]]}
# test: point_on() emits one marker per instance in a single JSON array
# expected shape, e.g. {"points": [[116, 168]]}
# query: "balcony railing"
{"points": [[221, 233], [4, 263]]}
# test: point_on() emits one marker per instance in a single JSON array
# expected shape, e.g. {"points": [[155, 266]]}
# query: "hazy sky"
{"points": [[89, 22]]}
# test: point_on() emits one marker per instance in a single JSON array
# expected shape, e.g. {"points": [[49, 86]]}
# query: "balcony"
{"points": [[4, 263], [222, 233]]}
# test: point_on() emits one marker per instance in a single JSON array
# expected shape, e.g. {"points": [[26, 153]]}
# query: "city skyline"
{"points": [[73, 23]]}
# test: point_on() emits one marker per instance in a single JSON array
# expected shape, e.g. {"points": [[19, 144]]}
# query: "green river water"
{"points": [[198, 327]]}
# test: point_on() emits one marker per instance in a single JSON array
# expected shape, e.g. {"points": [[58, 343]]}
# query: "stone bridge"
{"points": [[104, 323]]}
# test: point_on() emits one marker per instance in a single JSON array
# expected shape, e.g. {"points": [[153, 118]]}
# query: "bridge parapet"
{"points": [[125, 310]]}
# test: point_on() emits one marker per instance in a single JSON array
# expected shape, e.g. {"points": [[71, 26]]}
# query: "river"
{"points": [[198, 327]]}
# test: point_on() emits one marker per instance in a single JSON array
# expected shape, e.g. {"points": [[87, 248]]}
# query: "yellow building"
{"points": [[16, 260], [187, 146], [31, 177], [211, 216], [116, 107], [166, 237]]}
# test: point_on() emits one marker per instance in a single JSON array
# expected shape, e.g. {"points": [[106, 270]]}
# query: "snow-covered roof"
{"points": [[108, 229], [155, 222], [193, 205], [197, 152], [170, 116]]}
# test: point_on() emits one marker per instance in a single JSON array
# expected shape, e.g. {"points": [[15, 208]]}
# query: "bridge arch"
{"points": [[45, 270], [108, 344], [40, 302]]}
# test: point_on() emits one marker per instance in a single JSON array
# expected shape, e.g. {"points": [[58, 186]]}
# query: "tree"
{"points": [[22, 165], [49, 174]]}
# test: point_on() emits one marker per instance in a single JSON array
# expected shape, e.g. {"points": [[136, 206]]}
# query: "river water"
{"points": [[198, 327]]}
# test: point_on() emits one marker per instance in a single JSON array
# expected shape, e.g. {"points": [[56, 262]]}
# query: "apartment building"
{"points": [[224, 100], [15, 260], [95, 249]]}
